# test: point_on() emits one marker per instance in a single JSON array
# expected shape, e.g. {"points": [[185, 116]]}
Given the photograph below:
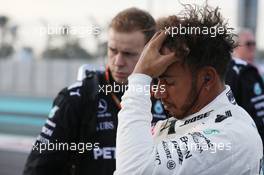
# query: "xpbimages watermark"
{"points": [[62, 146], [191, 30], [80, 31], [117, 88], [194, 147]]}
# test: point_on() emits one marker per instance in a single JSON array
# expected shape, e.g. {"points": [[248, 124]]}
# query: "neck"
{"points": [[210, 95], [248, 60]]}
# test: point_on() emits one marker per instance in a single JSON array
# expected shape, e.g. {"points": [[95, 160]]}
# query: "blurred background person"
{"points": [[86, 112], [246, 49], [244, 79]]}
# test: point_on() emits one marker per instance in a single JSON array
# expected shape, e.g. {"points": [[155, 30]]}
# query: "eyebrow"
{"points": [[128, 50]]}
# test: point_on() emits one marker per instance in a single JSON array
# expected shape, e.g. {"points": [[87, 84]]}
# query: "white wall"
{"points": [[42, 78]]}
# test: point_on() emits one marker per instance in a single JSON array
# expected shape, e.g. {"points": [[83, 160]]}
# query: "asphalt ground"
{"points": [[21, 120], [12, 163]]}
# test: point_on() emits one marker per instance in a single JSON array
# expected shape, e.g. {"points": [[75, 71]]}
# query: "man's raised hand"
{"points": [[151, 62]]}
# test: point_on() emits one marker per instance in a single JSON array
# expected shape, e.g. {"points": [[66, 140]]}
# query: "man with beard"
{"points": [[207, 133], [79, 136]]}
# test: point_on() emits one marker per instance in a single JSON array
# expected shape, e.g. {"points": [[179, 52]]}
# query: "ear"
{"points": [[208, 77]]}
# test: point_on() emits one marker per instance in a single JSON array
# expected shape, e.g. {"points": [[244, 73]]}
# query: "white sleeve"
{"points": [[134, 140]]}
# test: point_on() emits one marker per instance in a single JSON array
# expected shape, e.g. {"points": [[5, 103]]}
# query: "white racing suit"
{"points": [[220, 139]]}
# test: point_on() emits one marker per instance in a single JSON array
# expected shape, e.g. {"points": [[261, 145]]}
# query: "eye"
{"points": [[113, 50], [167, 81], [129, 54], [170, 81]]}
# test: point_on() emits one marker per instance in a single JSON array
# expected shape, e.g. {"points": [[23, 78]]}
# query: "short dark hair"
{"points": [[134, 19], [202, 49]]}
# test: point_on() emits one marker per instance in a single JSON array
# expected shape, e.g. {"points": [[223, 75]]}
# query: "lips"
{"points": [[120, 74], [167, 106]]}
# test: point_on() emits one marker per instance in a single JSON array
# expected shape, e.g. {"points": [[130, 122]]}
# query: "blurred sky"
{"points": [[30, 14]]}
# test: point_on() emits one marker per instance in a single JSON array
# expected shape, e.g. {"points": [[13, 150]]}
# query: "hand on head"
{"points": [[151, 61]]}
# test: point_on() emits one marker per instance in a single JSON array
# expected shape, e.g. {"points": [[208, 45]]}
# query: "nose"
{"points": [[119, 60], [161, 93]]}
